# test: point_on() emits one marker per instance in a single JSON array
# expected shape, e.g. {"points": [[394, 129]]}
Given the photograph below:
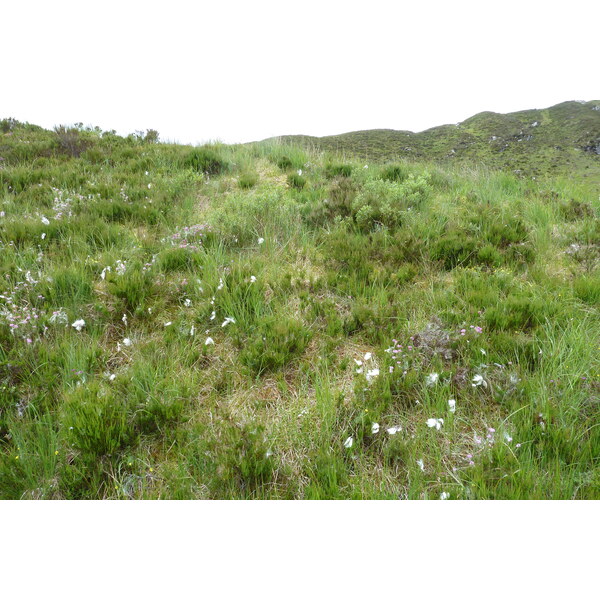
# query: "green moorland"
{"points": [[558, 140], [269, 321]]}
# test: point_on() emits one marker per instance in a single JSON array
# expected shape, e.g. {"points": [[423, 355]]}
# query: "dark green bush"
{"points": [[134, 287], [296, 181], [284, 163], [206, 160], [179, 259], [517, 313], [587, 289], [502, 235], [455, 248], [69, 287], [395, 173], [97, 424], [276, 342], [247, 180], [333, 170]]}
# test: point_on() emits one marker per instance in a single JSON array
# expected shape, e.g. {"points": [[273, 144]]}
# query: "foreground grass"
{"points": [[189, 323]]}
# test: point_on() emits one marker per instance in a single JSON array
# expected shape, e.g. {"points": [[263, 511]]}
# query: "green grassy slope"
{"points": [[560, 140], [264, 321]]}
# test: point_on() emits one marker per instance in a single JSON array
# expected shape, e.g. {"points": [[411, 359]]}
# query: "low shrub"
{"points": [[276, 343]]}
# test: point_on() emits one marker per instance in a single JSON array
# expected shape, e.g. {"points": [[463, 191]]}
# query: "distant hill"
{"points": [[562, 139]]}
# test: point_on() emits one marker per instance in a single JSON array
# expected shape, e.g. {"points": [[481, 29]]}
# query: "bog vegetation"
{"points": [[265, 321]]}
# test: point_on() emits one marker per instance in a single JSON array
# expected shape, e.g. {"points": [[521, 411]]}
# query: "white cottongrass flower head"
{"points": [[261, 240], [478, 380], [127, 342], [252, 279], [371, 374], [168, 323], [421, 464], [437, 423], [79, 324], [120, 267], [103, 274], [452, 405], [45, 221], [59, 317], [209, 341], [375, 428], [348, 443], [394, 430], [227, 321], [187, 302], [368, 356], [432, 378], [444, 496]]}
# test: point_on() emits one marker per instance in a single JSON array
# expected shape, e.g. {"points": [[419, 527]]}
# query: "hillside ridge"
{"points": [[557, 140]]}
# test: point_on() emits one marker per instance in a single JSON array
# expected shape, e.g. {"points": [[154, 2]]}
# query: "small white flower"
{"points": [[366, 167], [120, 268], [128, 342], [300, 172], [432, 378], [149, 186], [45, 221], [368, 356], [59, 317], [168, 323], [479, 380], [43, 236], [421, 464], [124, 319], [452, 405], [252, 279], [482, 351], [209, 341], [358, 362], [437, 423], [192, 330], [372, 374], [268, 453], [348, 443], [227, 321], [103, 274], [261, 240], [507, 437], [112, 377], [444, 496], [394, 430], [79, 324], [213, 315], [2, 213], [221, 284], [375, 428], [187, 302], [146, 173]]}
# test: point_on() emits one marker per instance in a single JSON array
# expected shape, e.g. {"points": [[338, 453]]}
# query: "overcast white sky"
{"points": [[241, 71]]}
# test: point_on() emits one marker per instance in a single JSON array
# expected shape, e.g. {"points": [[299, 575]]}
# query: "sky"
{"points": [[242, 71]]}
